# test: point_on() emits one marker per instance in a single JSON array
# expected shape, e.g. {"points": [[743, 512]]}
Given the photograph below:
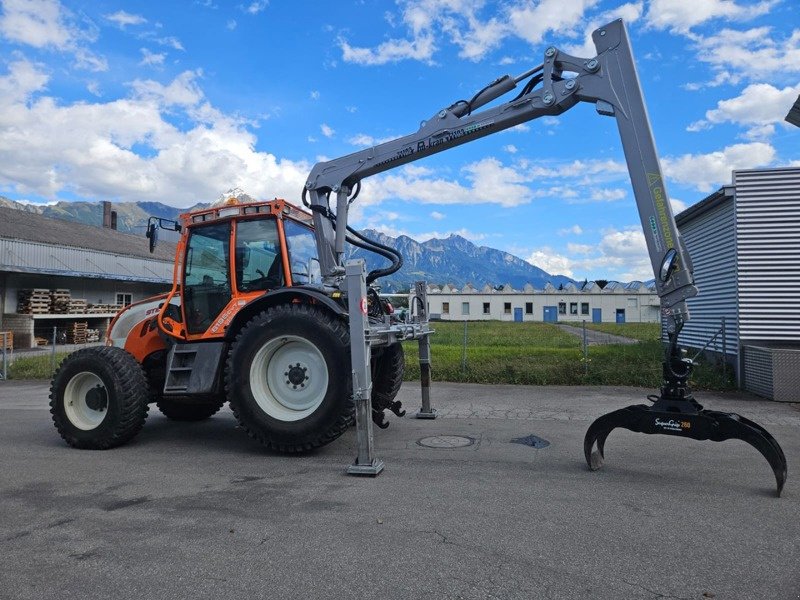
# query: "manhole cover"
{"points": [[531, 440], [446, 441]]}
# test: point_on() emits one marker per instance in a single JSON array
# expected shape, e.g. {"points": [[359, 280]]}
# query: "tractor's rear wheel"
{"points": [[288, 377], [98, 398], [184, 410]]}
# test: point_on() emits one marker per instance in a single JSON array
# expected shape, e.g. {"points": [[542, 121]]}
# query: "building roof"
{"points": [[21, 225], [723, 194]]}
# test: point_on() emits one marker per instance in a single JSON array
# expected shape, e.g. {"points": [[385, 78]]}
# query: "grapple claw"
{"points": [[687, 420], [598, 432]]}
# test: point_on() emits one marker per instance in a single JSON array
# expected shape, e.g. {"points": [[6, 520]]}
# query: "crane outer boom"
{"points": [[609, 81]]}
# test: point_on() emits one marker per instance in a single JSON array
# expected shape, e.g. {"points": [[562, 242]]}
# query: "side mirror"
{"points": [[152, 235], [668, 264]]}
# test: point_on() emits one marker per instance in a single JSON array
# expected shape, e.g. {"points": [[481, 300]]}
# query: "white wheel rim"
{"points": [[76, 406], [289, 378]]}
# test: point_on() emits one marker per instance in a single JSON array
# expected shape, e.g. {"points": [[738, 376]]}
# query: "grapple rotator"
{"points": [[676, 412]]}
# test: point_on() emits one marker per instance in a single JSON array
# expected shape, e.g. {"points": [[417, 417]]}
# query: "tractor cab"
{"points": [[230, 255]]}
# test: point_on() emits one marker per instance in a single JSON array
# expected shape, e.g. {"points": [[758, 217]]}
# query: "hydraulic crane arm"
{"points": [[609, 81]]}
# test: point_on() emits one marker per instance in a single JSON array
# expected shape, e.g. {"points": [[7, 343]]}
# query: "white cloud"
{"points": [[750, 53], [22, 81], [621, 254], [48, 148], [532, 22], [47, 24], [314, 94], [707, 171], [551, 261], [759, 107], [365, 141], [678, 205], [151, 58], [231, 24], [327, 130], [460, 23], [255, 7], [437, 216], [122, 19], [488, 182], [574, 230], [421, 49], [510, 148], [681, 15]]}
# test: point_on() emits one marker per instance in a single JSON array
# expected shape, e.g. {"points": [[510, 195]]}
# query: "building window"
{"points": [[465, 308], [529, 308], [633, 303], [584, 308], [573, 308], [445, 308], [124, 299], [486, 308], [562, 308], [507, 308]]}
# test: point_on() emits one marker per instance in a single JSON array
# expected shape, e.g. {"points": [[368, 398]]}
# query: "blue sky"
{"points": [[178, 102]]}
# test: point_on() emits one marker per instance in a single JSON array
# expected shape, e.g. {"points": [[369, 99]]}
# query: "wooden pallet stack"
{"points": [[76, 333], [78, 306], [92, 335], [59, 301], [97, 309], [33, 301]]}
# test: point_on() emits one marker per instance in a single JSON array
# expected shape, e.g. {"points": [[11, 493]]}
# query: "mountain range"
{"points": [[454, 260]]}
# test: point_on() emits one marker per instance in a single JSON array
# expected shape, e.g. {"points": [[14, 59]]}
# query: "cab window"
{"points": [[258, 256], [302, 253]]}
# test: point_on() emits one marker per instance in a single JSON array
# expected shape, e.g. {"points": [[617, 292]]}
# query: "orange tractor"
{"points": [[246, 321]]}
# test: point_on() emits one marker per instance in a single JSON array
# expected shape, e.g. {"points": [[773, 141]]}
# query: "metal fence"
{"points": [[52, 344], [577, 353]]}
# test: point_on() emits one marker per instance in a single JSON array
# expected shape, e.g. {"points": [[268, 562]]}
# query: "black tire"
{"points": [[288, 378], [387, 376], [187, 410], [98, 398]]}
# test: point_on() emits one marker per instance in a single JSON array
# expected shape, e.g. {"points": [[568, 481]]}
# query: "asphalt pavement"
{"points": [[198, 510]]}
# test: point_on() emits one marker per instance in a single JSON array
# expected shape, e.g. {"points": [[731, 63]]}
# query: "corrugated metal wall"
{"points": [[33, 257], [711, 241], [768, 254]]}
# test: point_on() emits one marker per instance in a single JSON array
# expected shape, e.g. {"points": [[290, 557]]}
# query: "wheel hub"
{"points": [[289, 378], [97, 398], [296, 376]]}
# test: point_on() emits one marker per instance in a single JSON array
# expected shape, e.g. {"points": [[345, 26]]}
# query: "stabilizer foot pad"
{"points": [[426, 415], [370, 470]]}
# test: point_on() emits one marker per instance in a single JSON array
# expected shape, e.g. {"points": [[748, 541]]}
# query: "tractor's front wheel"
{"points": [[288, 377], [98, 398]]}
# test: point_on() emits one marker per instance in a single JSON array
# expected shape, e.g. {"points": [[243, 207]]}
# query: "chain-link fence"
{"points": [[51, 343], [535, 353]]}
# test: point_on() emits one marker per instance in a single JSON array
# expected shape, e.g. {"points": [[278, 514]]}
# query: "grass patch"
{"points": [[39, 366], [637, 331], [542, 354]]}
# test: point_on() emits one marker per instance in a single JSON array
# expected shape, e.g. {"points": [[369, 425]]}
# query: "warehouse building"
{"points": [[86, 271], [615, 303], [744, 241]]}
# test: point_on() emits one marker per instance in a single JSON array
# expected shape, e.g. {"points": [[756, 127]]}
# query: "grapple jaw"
{"points": [[676, 412], [698, 425]]}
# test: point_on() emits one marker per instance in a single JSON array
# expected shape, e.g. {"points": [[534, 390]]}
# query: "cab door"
{"points": [[206, 286]]}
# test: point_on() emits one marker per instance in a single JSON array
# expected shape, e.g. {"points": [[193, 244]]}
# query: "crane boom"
{"points": [[609, 81]]}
